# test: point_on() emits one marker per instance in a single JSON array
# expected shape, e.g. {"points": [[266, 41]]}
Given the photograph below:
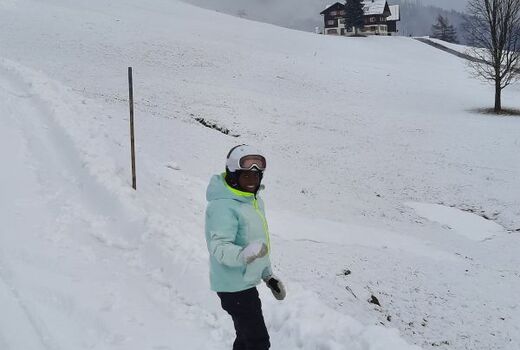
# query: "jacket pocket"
{"points": [[253, 271]]}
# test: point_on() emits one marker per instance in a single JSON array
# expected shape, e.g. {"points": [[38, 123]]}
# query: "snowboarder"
{"points": [[238, 243]]}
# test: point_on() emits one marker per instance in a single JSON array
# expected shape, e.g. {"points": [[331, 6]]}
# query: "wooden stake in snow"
{"points": [[132, 140]]}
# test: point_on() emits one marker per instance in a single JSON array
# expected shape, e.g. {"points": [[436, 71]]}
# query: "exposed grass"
{"points": [[213, 125], [505, 112]]}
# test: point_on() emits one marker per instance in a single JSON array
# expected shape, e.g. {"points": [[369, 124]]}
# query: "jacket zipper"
{"points": [[264, 222]]}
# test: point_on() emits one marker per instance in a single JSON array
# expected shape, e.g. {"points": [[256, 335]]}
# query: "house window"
{"points": [[372, 19], [333, 13], [332, 31], [373, 29], [331, 22], [342, 13], [342, 21]]}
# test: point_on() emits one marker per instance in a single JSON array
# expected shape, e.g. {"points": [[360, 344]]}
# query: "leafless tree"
{"points": [[493, 29]]}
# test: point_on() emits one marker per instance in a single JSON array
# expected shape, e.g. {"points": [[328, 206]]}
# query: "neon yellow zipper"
{"points": [[264, 222], [257, 209]]}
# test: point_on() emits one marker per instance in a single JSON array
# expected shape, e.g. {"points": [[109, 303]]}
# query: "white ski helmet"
{"points": [[245, 157]]}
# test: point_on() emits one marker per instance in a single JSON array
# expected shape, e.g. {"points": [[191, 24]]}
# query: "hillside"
{"points": [[376, 163]]}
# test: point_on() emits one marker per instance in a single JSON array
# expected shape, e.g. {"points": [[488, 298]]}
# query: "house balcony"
{"points": [[375, 29]]}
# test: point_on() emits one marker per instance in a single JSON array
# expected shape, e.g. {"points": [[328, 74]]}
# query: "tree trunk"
{"points": [[498, 97]]}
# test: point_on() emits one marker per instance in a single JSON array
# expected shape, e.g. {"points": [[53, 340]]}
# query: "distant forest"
{"points": [[417, 19]]}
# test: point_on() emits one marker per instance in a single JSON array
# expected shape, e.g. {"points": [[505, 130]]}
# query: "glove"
{"points": [[276, 286], [253, 251]]}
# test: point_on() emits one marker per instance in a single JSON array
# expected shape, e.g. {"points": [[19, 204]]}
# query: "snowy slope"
{"points": [[360, 134], [83, 268]]}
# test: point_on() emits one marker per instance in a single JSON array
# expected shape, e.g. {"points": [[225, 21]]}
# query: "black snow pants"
{"points": [[245, 309]]}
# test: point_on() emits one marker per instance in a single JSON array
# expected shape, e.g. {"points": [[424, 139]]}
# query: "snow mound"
{"points": [[305, 323], [296, 227], [463, 223]]}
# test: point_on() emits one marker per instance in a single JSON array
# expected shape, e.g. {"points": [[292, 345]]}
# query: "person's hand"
{"points": [[276, 286], [253, 251]]}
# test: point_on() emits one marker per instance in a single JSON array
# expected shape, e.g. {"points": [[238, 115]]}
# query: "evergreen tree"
{"points": [[443, 30], [355, 16]]}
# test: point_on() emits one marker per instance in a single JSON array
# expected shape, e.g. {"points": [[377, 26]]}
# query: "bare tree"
{"points": [[493, 29]]}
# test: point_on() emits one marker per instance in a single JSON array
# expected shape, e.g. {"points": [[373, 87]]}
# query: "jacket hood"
{"points": [[219, 189]]}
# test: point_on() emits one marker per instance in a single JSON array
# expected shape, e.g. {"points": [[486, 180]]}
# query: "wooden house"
{"points": [[334, 19], [380, 18]]}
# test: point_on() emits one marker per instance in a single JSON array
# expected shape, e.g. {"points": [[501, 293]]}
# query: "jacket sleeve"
{"points": [[221, 232], [268, 272]]}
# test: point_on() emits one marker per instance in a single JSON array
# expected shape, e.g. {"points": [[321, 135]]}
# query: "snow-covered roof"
{"points": [[395, 13], [374, 7], [330, 5], [370, 7]]}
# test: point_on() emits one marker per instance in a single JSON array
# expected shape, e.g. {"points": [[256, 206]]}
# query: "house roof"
{"points": [[370, 7], [374, 7], [395, 11], [330, 6]]}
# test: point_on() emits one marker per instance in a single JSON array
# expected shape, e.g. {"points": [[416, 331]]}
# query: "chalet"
{"points": [[334, 18], [380, 18]]}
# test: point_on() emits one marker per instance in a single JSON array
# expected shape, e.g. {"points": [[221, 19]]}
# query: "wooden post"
{"points": [[132, 140]]}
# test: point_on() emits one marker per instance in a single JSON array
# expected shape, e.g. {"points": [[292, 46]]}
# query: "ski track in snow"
{"points": [[23, 318], [16, 306], [60, 171]]}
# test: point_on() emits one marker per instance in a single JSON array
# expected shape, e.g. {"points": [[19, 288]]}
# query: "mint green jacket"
{"points": [[233, 220]]}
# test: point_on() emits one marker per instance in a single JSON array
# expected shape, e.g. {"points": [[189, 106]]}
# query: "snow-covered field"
{"points": [[379, 177]]}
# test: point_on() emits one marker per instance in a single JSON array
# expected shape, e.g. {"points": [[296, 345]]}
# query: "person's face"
{"points": [[249, 180]]}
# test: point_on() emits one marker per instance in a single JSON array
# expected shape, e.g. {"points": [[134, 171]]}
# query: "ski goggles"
{"points": [[252, 161]]}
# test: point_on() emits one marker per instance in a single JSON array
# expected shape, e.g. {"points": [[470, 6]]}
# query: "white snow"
{"points": [[374, 7], [318, 230], [360, 135], [395, 13], [467, 224]]}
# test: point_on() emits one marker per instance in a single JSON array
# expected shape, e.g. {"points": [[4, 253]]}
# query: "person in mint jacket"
{"points": [[238, 242]]}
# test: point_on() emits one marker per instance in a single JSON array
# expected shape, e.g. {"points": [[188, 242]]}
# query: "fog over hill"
{"points": [[417, 16], [458, 5], [297, 14]]}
